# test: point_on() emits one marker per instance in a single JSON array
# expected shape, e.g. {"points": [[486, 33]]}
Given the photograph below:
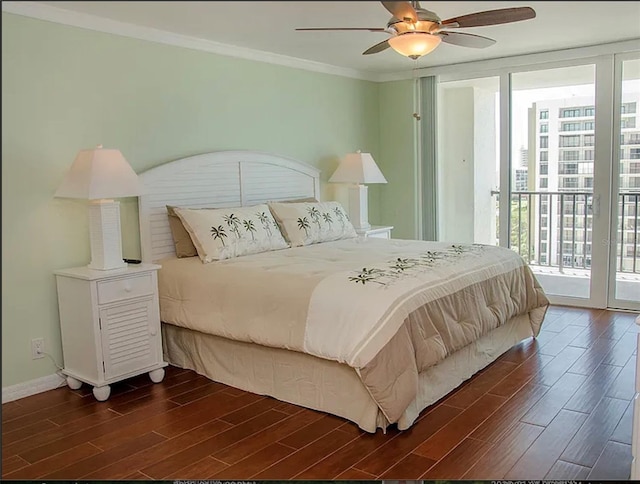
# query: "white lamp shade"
{"points": [[99, 173], [359, 168], [414, 44]]}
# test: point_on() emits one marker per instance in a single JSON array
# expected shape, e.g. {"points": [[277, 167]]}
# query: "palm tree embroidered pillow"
{"points": [[311, 223], [223, 233]]}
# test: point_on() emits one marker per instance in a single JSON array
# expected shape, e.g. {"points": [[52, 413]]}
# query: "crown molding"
{"points": [[492, 66], [100, 24]]}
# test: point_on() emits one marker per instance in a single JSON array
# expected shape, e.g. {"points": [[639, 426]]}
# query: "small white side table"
{"points": [[376, 231], [110, 325]]}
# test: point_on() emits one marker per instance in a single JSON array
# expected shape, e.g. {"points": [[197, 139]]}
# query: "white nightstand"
{"points": [[110, 324], [377, 231]]}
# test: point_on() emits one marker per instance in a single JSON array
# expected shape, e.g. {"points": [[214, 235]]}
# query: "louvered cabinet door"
{"points": [[129, 337]]}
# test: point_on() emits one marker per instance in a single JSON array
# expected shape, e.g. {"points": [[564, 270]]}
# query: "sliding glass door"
{"points": [[545, 159], [552, 175], [468, 160], [624, 277]]}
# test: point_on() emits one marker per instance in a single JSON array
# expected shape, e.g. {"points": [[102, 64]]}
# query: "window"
{"points": [[544, 169], [628, 123], [634, 167], [544, 114], [634, 182], [543, 236], [589, 140], [570, 127], [588, 155], [590, 111], [634, 154], [588, 182], [628, 108], [544, 156], [571, 155], [573, 140], [568, 169], [571, 182], [570, 113], [544, 183], [544, 141], [630, 139], [589, 125], [544, 128]]}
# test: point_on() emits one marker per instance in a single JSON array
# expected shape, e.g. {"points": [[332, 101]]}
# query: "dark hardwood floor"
{"points": [[558, 407]]}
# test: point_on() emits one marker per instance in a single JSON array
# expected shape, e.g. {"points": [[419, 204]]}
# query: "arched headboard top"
{"points": [[217, 179]]}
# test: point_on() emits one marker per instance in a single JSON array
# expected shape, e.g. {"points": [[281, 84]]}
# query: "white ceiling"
{"points": [[269, 26]]}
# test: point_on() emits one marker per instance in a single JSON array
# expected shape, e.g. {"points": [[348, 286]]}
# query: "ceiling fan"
{"points": [[416, 31]]}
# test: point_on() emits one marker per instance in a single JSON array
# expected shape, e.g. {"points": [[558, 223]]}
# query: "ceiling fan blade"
{"points": [[401, 11], [491, 17], [372, 29], [379, 47], [466, 40]]}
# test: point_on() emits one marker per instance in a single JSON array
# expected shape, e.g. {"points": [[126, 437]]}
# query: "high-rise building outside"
{"points": [[561, 156]]}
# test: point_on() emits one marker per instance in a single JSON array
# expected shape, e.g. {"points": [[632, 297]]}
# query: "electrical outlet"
{"points": [[37, 348]]}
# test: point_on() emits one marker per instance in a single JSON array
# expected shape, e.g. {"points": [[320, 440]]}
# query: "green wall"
{"points": [[398, 199], [65, 89]]}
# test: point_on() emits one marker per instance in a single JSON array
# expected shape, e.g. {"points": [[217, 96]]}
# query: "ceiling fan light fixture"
{"points": [[414, 44]]}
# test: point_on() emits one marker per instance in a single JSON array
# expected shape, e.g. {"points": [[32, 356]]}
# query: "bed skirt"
{"points": [[326, 385]]}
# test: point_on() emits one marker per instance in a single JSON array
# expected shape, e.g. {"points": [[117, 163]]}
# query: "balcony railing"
{"points": [[554, 229]]}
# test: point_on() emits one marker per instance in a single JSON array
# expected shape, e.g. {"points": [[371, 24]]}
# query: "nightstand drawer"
{"points": [[125, 288]]}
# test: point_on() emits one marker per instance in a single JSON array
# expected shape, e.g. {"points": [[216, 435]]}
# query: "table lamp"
{"points": [[100, 175], [358, 169]]}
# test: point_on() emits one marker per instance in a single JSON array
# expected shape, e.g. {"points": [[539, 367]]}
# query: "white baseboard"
{"points": [[32, 387]]}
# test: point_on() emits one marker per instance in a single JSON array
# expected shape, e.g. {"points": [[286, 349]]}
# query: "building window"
{"points": [[633, 182], [570, 155], [544, 114], [630, 139], [568, 169], [570, 182], [628, 108], [590, 111], [588, 155], [544, 141], [570, 113], [628, 123], [589, 139], [544, 156], [588, 182], [544, 183], [570, 127], [544, 169], [589, 125], [544, 128], [634, 167], [634, 153], [573, 140]]}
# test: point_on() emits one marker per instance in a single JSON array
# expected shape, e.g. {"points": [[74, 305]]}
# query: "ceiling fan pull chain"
{"points": [[415, 85]]}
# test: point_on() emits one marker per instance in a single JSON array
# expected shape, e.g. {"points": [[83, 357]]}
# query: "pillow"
{"points": [[181, 238], [311, 223], [223, 233]]}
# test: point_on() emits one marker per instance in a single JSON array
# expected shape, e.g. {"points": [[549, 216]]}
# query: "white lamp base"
{"points": [[358, 207], [105, 235]]}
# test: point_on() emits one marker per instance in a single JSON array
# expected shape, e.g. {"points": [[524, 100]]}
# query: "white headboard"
{"points": [[219, 179]]}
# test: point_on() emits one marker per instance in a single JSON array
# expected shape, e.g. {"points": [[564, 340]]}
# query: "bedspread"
{"points": [[387, 308]]}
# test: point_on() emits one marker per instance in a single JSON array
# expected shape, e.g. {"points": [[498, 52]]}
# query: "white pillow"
{"points": [[223, 233], [310, 223]]}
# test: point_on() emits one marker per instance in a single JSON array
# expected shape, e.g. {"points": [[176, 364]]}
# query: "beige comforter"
{"points": [[388, 308]]}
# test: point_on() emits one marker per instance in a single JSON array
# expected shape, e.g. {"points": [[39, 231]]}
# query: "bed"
{"points": [[371, 330]]}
